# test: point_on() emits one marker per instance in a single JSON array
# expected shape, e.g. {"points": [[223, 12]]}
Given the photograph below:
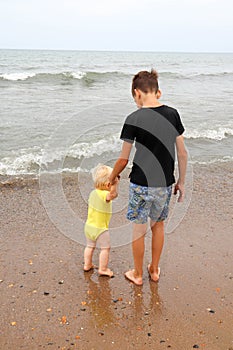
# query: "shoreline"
{"points": [[6, 180], [48, 302]]}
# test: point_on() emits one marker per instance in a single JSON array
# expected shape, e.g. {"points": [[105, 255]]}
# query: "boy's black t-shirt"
{"points": [[154, 131]]}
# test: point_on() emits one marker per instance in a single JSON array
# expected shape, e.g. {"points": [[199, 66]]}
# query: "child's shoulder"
{"points": [[99, 190], [169, 108], [167, 111], [100, 193]]}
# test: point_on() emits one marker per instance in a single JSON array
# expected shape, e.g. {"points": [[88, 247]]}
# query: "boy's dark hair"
{"points": [[145, 81]]}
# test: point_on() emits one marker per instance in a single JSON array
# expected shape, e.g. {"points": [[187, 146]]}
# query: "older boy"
{"points": [[156, 130]]}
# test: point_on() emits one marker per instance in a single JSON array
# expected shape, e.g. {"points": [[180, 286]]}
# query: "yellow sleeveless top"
{"points": [[99, 214]]}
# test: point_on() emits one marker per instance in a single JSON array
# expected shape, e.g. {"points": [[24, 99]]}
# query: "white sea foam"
{"points": [[23, 164], [217, 134], [83, 155], [84, 149], [80, 157], [78, 75], [17, 76], [33, 160], [25, 75], [224, 159], [31, 164]]}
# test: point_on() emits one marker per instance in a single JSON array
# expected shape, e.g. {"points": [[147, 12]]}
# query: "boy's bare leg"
{"points": [[138, 247], [103, 263], [88, 253], [157, 229]]}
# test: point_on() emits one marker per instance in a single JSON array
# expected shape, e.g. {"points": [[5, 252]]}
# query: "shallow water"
{"points": [[63, 110]]}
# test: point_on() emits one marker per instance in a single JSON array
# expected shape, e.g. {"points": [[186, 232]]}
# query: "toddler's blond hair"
{"points": [[100, 175]]}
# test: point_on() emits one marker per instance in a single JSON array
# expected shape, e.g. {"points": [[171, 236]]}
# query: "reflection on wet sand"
{"points": [[146, 303], [99, 300], [134, 309]]}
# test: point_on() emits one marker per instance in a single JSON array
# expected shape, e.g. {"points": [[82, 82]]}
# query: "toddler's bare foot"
{"points": [[154, 274], [106, 272], [130, 275], [87, 268]]}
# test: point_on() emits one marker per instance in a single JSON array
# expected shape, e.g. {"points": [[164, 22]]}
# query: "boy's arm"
{"points": [[182, 157], [121, 162]]}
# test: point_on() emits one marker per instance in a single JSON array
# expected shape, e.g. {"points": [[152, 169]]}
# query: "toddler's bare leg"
{"points": [[104, 243], [103, 262], [88, 253]]}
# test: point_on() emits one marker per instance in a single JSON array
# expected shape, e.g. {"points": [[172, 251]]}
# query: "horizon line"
{"points": [[115, 50]]}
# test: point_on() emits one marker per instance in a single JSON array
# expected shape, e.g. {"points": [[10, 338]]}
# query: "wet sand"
{"points": [[48, 302]]}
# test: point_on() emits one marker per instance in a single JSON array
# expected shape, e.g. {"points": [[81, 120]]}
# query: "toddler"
{"points": [[99, 215]]}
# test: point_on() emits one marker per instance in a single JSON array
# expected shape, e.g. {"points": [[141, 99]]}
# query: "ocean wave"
{"points": [[33, 76], [84, 155], [17, 76], [213, 160], [95, 76], [79, 75], [193, 75], [217, 74], [32, 161], [27, 163], [84, 149], [31, 164], [212, 134]]}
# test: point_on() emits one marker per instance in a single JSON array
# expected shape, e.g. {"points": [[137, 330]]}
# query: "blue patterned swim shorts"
{"points": [[144, 202]]}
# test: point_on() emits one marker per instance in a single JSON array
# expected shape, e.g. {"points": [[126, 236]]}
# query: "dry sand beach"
{"points": [[48, 302]]}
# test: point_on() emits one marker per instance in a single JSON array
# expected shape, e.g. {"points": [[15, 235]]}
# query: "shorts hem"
{"points": [[136, 221]]}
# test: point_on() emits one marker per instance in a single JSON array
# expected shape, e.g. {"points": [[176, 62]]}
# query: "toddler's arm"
{"points": [[113, 193]]}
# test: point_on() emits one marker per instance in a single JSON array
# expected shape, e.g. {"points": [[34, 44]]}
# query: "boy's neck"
{"points": [[149, 100], [151, 104]]}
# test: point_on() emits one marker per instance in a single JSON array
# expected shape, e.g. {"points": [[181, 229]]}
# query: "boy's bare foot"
{"points": [[87, 268], [106, 272], [154, 275], [130, 275]]}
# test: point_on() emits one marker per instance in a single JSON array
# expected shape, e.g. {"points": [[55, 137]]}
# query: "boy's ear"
{"points": [[137, 93], [158, 94]]}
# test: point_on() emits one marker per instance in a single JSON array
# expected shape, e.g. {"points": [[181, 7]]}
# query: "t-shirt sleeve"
{"points": [[128, 132], [179, 126]]}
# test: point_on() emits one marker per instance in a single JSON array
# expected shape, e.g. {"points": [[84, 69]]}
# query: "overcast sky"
{"points": [[125, 25]]}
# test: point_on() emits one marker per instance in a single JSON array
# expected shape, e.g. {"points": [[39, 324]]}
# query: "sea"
{"points": [[62, 111]]}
